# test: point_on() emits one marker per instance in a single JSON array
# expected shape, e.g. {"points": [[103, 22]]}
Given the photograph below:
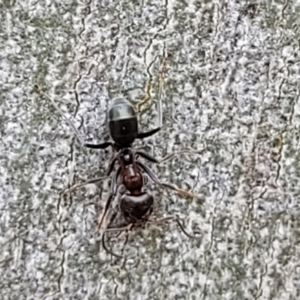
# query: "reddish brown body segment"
{"points": [[133, 180], [136, 205]]}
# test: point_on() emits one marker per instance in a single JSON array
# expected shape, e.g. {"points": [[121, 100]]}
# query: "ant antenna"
{"points": [[71, 124]]}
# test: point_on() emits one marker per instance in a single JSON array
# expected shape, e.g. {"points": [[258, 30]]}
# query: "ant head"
{"points": [[121, 109]]}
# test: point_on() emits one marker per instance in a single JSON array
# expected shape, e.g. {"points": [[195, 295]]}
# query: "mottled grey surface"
{"points": [[231, 88]]}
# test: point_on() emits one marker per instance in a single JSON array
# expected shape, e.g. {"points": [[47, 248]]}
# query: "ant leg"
{"points": [[74, 187], [71, 124], [107, 250], [143, 135], [111, 165], [167, 185], [114, 188], [98, 146], [160, 221], [105, 210], [183, 230], [115, 229], [166, 158]]}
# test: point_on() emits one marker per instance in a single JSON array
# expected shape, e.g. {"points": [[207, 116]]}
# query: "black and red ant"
{"points": [[136, 204]]}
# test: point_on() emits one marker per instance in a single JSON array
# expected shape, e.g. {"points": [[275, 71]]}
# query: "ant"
{"points": [[136, 205]]}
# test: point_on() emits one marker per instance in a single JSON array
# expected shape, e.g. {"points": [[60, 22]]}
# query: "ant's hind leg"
{"points": [[108, 250], [119, 229], [171, 218], [167, 185]]}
